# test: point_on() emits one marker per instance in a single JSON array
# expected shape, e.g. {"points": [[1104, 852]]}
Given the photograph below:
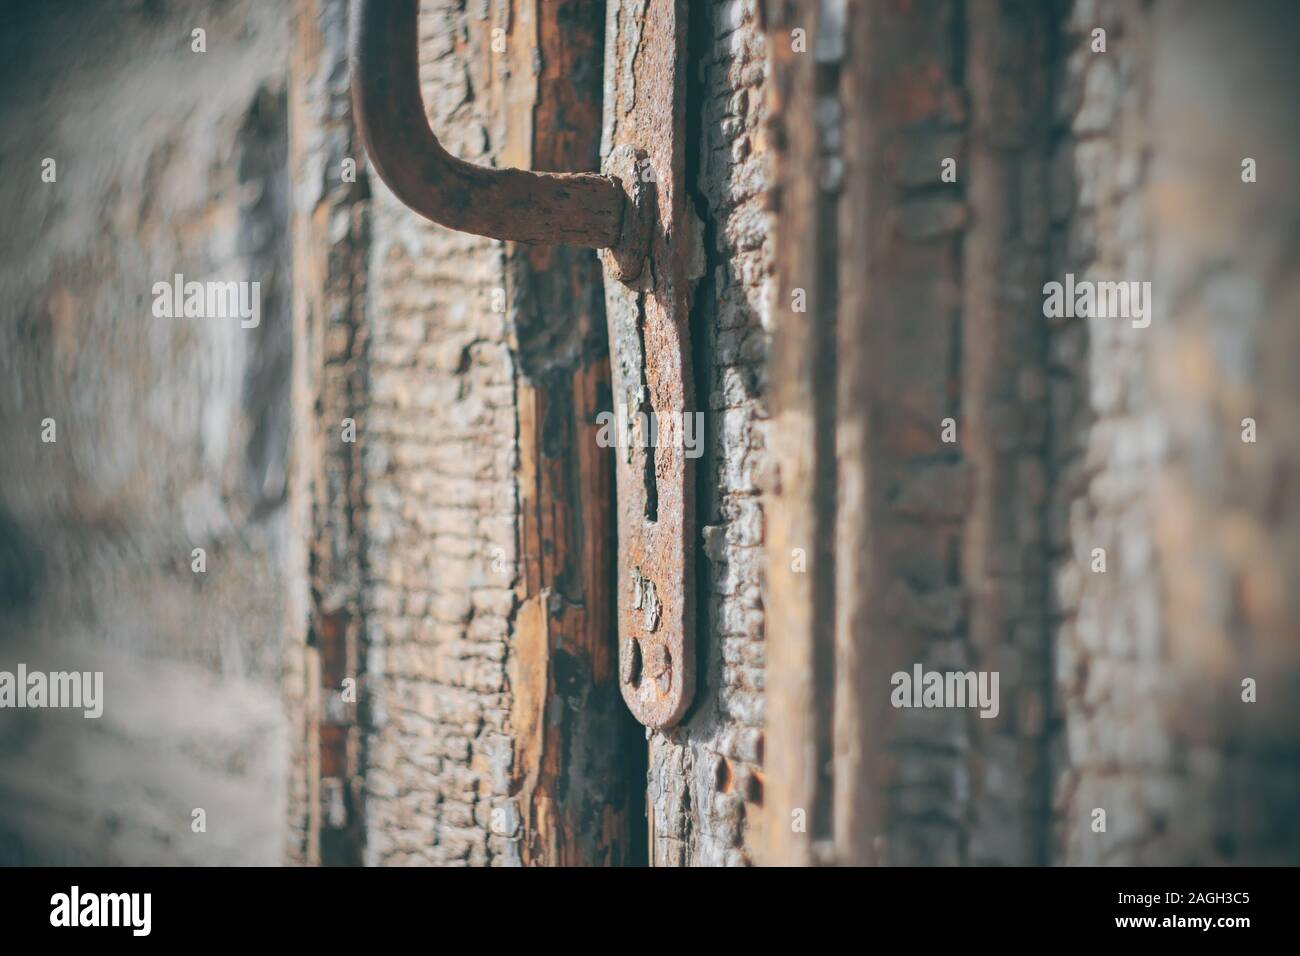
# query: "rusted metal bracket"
{"points": [[518, 205], [636, 214], [648, 312]]}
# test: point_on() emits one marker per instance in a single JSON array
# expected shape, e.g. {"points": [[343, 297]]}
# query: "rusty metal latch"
{"points": [[650, 355], [636, 214]]}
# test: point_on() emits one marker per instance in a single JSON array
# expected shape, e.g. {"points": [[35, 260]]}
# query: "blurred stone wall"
{"points": [[171, 434], [1196, 517], [1109, 524]]}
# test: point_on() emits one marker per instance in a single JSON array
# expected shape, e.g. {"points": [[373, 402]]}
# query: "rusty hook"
{"points": [[580, 209]]}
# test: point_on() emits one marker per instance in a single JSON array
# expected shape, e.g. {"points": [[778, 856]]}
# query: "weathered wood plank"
{"points": [[571, 732], [799, 572]]}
